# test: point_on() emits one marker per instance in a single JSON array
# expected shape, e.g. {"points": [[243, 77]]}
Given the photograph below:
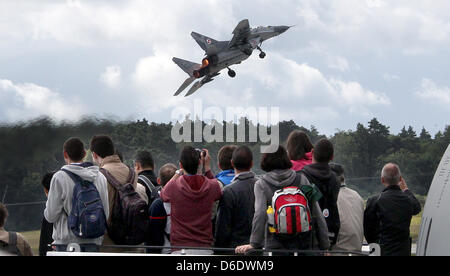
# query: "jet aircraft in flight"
{"points": [[223, 54]]}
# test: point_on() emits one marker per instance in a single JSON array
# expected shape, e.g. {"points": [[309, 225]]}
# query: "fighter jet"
{"points": [[223, 54]]}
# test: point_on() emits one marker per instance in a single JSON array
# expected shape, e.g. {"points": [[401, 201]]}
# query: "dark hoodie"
{"points": [[321, 175], [264, 190], [191, 199]]}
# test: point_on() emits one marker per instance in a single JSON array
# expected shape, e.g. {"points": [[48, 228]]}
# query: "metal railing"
{"points": [[75, 249]]}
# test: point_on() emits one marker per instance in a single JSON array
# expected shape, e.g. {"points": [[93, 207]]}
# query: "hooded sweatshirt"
{"points": [[191, 199], [266, 186], [321, 175], [298, 165], [59, 202]]}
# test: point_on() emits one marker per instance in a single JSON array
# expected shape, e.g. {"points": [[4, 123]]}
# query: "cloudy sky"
{"points": [[345, 62]]}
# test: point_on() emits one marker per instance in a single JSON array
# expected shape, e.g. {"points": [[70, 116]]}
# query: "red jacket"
{"points": [[298, 165], [191, 199]]}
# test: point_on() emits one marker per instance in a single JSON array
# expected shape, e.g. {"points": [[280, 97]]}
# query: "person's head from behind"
{"points": [[224, 157], [338, 170], [190, 160], [101, 147], [46, 180], [391, 175], [278, 160], [242, 159], [166, 173], [144, 161], [323, 151], [73, 151], [3, 215], [298, 145]]}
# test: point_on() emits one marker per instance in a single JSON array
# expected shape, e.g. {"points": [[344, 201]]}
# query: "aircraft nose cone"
{"points": [[282, 29]]}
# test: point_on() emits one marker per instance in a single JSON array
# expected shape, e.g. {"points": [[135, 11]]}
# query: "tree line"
{"points": [[28, 150]]}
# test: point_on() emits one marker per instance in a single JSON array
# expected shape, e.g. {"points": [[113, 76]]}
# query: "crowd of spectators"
{"points": [[300, 203]]}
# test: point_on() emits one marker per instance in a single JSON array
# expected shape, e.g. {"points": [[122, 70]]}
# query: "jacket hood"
{"points": [[88, 174], [319, 171], [280, 178], [244, 175], [298, 165], [195, 187]]}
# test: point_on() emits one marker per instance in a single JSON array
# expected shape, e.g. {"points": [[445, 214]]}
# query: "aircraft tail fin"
{"points": [[208, 44], [187, 66]]}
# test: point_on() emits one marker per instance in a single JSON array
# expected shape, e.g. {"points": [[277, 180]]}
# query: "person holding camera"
{"points": [[192, 196], [387, 218]]}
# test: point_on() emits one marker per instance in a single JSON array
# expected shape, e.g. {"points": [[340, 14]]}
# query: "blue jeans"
{"points": [[84, 248]]}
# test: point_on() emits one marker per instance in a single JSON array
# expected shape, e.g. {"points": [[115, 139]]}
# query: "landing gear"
{"points": [[231, 73], [262, 55]]}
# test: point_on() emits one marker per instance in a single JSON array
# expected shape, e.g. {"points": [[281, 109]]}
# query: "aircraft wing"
{"points": [[240, 33], [199, 84], [186, 83]]}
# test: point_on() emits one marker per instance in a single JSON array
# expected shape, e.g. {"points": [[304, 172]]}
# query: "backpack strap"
{"points": [[114, 182], [76, 178], [12, 244], [147, 183]]}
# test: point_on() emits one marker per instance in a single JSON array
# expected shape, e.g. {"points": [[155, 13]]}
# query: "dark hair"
{"points": [[338, 169], [323, 151], [190, 160], [225, 154], [47, 179], [145, 158], [298, 144], [242, 158], [102, 145], [278, 160], [166, 173], [3, 215], [74, 148]]}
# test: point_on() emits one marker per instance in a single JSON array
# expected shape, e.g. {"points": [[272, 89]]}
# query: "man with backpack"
{"points": [[128, 209], [320, 174], [144, 167], [287, 215], [77, 203], [11, 243]]}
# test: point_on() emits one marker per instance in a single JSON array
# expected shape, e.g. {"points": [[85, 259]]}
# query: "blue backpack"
{"points": [[87, 220]]}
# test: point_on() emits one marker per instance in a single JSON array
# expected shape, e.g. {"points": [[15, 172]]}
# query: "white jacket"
{"points": [[351, 213], [59, 202]]}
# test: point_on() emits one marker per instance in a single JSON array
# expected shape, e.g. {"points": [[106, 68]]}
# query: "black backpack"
{"points": [[129, 217], [329, 208], [11, 246], [149, 186]]}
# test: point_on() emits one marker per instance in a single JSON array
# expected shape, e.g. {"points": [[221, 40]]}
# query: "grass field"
{"points": [[33, 240]]}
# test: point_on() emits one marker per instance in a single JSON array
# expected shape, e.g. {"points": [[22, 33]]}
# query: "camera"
{"points": [[201, 152]]}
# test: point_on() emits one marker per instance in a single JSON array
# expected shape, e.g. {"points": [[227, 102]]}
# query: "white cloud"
{"points": [[112, 76], [27, 100], [431, 92]]}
